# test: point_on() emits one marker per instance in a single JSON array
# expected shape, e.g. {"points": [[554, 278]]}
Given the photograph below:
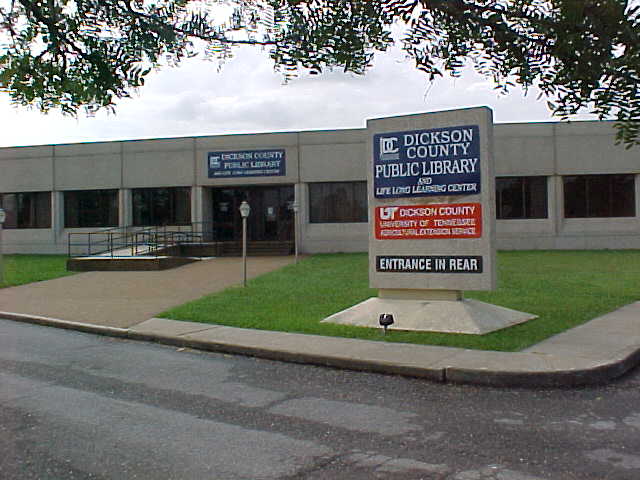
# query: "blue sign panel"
{"points": [[421, 163], [246, 163]]}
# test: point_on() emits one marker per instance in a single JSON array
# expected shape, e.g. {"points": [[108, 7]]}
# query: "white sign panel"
{"points": [[431, 201]]}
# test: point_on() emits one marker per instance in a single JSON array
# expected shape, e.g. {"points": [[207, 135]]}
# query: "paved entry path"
{"points": [[124, 299]]}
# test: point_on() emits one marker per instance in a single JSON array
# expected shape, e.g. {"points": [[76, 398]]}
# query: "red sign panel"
{"points": [[421, 222]]}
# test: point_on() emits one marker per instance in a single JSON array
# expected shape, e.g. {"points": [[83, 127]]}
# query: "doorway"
{"points": [[271, 217]]}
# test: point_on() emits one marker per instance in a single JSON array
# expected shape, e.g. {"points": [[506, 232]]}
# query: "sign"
{"points": [[425, 222], [427, 244], [419, 163], [429, 264], [246, 163]]}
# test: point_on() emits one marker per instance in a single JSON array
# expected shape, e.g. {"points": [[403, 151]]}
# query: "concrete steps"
{"points": [[256, 249], [125, 264], [174, 256]]}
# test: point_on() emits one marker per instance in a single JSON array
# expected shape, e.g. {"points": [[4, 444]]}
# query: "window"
{"points": [[591, 196], [162, 206], [91, 208], [27, 210], [338, 202], [521, 197]]}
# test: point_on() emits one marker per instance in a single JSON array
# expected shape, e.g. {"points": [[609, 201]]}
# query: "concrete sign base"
{"points": [[444, 316], [431, 195]]}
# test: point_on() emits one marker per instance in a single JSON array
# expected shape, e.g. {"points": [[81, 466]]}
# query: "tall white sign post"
{"points": [[245, 210], [432, 224], [296, 211], [3, 217]]}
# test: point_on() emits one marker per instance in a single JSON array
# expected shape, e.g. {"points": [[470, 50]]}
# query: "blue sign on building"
{"points": [[420, 163], [246, 163]]}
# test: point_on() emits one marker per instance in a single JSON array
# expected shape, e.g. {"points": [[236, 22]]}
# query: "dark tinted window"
{"points": [[521, 197], [338, 202], [162, 206], [27, 210], [589, 196], [91, 208]]}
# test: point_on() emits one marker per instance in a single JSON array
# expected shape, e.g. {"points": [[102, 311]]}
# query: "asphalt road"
{"points": [[78, 406]]}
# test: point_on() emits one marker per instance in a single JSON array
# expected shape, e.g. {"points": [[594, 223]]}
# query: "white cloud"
{"points": [[247, 96]]}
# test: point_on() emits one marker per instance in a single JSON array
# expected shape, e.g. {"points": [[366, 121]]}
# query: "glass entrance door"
{"points": [[271, 217]]}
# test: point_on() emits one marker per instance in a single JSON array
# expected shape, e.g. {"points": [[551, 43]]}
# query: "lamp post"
{"points": [[3, 216], [296, 209], [245, 209]]}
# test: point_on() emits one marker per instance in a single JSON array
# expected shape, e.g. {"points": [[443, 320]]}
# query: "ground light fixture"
{"points": [[386, 320], [245, 210]]}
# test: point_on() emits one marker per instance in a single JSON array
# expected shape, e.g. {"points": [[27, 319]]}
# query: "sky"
{"points": [[246, 95]]}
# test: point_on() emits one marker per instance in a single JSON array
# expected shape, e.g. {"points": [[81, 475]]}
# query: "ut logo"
{"points": [[388, 145], [388, 213]]}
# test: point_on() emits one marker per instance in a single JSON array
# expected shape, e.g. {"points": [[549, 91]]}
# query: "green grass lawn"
{"points": [[21, 269], [564, 288]]}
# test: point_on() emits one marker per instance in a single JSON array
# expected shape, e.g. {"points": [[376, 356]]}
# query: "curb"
{"points": [[592, 373], [66, 324], [342, 362]]}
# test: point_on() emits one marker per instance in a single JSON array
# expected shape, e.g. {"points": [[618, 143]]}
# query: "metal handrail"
{"points": [[107, 240], [150, 240]]}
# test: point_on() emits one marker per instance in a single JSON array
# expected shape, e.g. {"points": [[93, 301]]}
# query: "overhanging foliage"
{"points": [[583, 55]]}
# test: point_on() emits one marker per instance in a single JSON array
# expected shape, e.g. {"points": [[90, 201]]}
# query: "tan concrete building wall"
{"points": [[26, 169], [87, 166], [158, 163], [523, 148], [549, 149], [332, 156], [329, 237], [589, 148], [554, 150]]}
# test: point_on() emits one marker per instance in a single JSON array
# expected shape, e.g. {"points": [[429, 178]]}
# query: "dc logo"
{"points": [[389, 149], [214, 161], [388, 213], [388, 145]]}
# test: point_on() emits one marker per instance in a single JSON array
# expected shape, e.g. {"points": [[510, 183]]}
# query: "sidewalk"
{"points": [[123, 304], [124, 299]]}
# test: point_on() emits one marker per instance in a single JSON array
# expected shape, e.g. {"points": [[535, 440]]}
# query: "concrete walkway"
{"points": [[124, 299], [123, 304]]}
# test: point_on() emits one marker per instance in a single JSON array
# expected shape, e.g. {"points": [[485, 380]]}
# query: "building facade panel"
{"points": [[88, 172], [590, 148], [27, 241], [524, 149], [158, 169], [333, 137], [333, 162], [17, 153], [320, 167], [26, 174], [158, 163], [321, 238]]}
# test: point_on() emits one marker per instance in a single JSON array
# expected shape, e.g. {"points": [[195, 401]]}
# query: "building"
{"points": [[558, 186]]}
